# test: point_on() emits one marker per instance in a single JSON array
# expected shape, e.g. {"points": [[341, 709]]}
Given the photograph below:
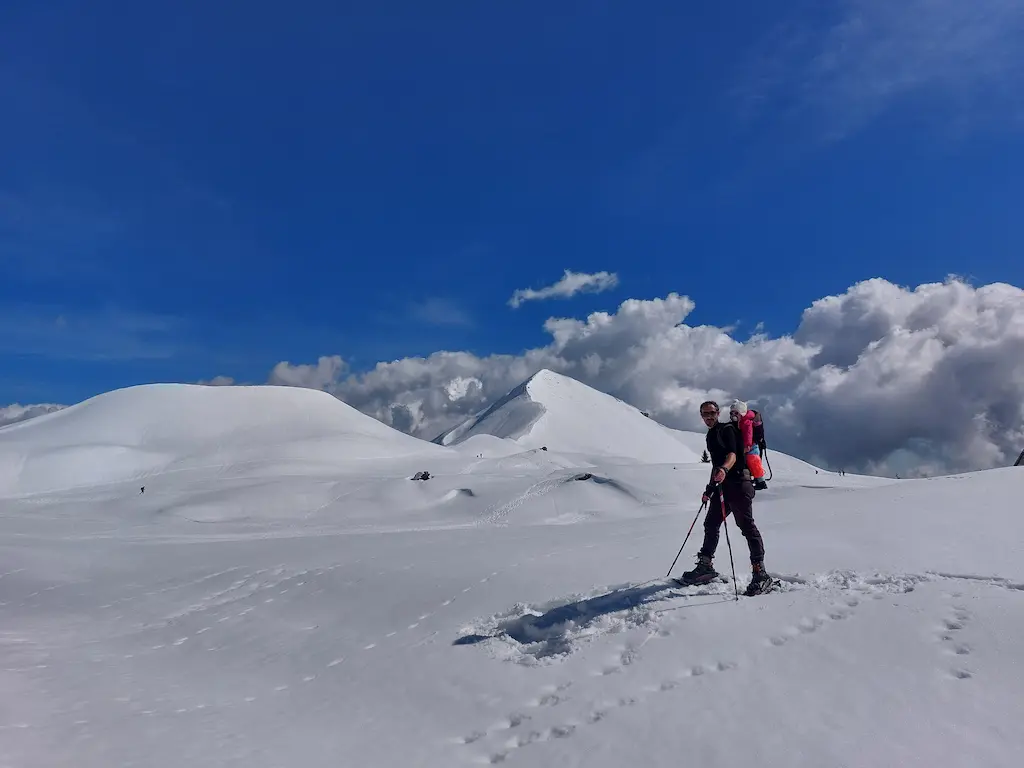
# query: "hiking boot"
{"points": [[702, 574], [760, 581]]}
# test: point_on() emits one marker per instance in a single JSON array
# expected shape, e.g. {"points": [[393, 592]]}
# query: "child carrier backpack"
{"points": [[759, 441], [759, 430]]}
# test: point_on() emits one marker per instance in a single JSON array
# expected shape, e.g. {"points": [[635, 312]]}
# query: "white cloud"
{"points": [[12, 414], [570, 284], [319, 376], [879, 377], [460, 387], [959, 59], [218, 381]]}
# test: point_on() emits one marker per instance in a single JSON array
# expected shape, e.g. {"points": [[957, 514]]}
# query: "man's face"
{"points": [[709, 414]]}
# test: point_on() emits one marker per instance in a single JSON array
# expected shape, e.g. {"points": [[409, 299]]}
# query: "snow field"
{"points": [[263, 611]]}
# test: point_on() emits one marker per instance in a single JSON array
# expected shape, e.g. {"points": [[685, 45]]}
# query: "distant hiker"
{"points": [[730, 480], [746, 420], [142, 489]]}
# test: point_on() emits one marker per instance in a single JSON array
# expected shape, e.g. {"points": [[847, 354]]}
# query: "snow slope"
{"points": [[567, 416], [130, 434], [512, 609]]}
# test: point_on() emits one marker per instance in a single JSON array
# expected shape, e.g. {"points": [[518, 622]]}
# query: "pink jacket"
{"points": [[746, 425]]}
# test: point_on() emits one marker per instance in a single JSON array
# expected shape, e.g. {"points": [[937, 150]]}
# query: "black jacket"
{"points": [[723, 439]]}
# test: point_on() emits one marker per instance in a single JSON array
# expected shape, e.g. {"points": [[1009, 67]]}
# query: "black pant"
{"points": [[739, 501]]}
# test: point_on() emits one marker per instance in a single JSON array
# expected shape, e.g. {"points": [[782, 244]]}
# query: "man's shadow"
{"points": [[553, 629]]}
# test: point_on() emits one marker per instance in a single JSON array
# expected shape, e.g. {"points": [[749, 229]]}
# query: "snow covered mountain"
{"points": [[558, 412], [132, 433], [284, 594]]}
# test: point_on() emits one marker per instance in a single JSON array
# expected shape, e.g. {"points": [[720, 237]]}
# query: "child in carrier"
{"points": [[745, 419]]}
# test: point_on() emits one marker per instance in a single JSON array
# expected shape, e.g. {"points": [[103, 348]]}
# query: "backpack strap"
{"points": [[741, 460], [721, 442]]}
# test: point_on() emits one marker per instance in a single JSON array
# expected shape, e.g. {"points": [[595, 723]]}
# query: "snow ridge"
{"points": [[496, 419], [550, 410]]}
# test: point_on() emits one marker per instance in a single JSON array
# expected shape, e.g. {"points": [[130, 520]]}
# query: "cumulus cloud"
{"points": [[881, 378], [12, 414], [319, 376], [217, 381], [570, 284]]}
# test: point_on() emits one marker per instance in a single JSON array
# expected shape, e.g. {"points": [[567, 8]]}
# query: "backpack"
{"points": [[758, 437], [759, 440], [759, 431]]}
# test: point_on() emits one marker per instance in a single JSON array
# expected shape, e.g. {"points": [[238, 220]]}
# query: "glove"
{"points": [[708, 493], [718, 476]]}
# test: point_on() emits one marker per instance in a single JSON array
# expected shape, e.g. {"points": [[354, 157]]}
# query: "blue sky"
{"points": [[191, 189]]}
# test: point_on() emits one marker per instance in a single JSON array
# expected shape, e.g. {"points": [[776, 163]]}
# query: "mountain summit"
{"points": [[139, 431], [565, 415]]}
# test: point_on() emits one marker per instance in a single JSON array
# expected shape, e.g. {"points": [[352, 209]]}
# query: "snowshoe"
{"points": [[717, 579], [760, 583], [702, 574]]}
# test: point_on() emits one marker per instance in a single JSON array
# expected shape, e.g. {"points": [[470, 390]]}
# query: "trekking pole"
{"points": [[725, 524], [686, 539]]}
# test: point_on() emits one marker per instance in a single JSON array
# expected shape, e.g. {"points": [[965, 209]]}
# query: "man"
{"points": [[730, 479]]}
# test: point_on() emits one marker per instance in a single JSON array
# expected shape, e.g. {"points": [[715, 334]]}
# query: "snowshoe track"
{"points": [[849, 591]]}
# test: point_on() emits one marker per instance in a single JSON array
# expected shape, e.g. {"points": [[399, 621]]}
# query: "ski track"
{"points": [[494, 514], [849, 590]]}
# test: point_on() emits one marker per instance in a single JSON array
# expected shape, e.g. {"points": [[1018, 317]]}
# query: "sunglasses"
{"points": [[708, 414]]}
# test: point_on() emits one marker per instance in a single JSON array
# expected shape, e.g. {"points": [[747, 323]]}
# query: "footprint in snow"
{"points": [[551, 695], [627, 654], [951, 625], [811, 624]]}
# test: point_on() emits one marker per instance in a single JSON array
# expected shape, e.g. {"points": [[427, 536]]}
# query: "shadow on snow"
{"points": [[550, 633]]}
